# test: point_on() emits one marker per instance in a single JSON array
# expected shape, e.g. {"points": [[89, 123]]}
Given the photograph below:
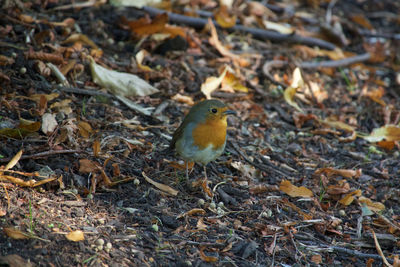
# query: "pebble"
{"points": [[342, 213]]}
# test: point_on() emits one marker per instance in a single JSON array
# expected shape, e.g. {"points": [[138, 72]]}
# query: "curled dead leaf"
{"points": [[294, 191], [15, 233], [75, 236]]}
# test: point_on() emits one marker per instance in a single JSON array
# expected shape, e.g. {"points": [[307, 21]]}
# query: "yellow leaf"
{"points": [[388, 132], [15, 233], [160, 186], [75, 236], [212, 83], [292, 89], [294, 191], [232, 83], [223, 18], [14, 160], [349, 198], [84, 129], [139, 60], [374, 206]]}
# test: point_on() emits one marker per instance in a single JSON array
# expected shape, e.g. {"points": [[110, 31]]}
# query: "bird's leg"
{"points": [[187, 171], [205, 171]]}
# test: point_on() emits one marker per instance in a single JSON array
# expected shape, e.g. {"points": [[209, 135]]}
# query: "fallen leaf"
{"points": [[374, 206], [294, 191], [81, 38], [279, 27], [145, 26], [183, 99], [349, 198], [88, 166], [120, 83], [214, 41], [290, 91], [84, 129], [139, 60], [206, 258], [223, 18], [212, 83], [14, 160], [388, 132], [15, 233], [339, 172], [231, 83], [160, 186], [75, 236]]}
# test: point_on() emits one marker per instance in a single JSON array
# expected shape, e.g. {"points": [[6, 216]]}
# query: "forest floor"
{"points": [[310, 173]]}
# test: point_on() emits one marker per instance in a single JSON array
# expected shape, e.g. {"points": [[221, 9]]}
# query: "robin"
{"points": [[201, 137]]}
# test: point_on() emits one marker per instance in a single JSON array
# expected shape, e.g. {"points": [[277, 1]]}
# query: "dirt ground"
{"points": [[294, 187]]}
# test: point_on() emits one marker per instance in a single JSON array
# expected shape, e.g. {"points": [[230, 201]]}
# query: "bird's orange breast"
{"points": [[212, 131]]}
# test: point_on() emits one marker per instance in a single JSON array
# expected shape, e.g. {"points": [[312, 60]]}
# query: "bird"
{"points": [[201, 137]]}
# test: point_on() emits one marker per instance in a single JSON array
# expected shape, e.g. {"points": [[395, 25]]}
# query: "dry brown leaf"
{"points": [[290, 91], [206, 258], [361, 20], [192, 212], [88, 166], [212, 83], [139, 60], [96, 148], [144, 26], [374, 206], [75, 236], [294, 191], [84, 129], [14, 160], [201, 225], [375, 95], [214, 41], [183, 99], [162, 187], [339, 172], [15, 233], [317, 259], [81, 38], [231, 83], [388, 132], [349, 198], [223, 18]]}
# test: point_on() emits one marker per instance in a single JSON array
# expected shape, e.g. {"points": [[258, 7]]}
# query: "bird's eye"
{"points": [[214, 110]]}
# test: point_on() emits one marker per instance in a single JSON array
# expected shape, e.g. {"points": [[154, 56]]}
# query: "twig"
{"points": [[312, 65], [76, 90], [335, 63], [257, 33], [273, 64], [259, 166], [44, 154], [378, 248]]}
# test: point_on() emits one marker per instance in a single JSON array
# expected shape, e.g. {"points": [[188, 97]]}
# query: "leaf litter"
{"points": [[309, 173]]}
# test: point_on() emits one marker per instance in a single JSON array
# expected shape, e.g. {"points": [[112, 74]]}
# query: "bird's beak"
{"points": [[229, 112]]}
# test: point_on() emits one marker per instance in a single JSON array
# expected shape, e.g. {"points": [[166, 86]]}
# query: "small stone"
{"points": [[101, 221], [155, 227], [221, 204], [342, 213], [136, 181], [22, 70], [99, 248]]}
